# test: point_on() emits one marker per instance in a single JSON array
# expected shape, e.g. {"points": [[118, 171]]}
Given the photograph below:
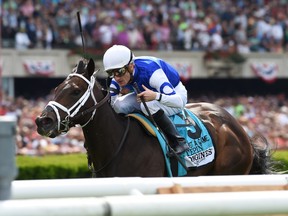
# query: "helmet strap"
{"points": [[131, 78], [131, 73]]}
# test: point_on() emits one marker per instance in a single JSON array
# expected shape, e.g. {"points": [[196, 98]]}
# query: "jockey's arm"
{"points": [[114, 90], [169, 97]]}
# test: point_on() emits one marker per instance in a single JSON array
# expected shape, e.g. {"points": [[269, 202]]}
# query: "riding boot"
{"points": [[179, 144]]}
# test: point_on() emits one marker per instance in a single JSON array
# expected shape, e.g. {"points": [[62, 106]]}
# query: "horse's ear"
{"points": [[80, 67], [90, 67]]}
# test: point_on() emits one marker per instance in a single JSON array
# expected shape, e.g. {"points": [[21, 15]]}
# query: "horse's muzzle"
{"points": [[46, 126]]}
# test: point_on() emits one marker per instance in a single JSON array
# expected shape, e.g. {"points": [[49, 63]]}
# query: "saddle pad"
{"points": [[201, 150]]}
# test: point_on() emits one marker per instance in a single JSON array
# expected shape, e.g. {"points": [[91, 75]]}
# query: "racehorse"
{"points": [[118, 145]]}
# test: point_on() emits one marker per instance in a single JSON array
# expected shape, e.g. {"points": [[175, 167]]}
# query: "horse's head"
{"points": [[74, 102]]}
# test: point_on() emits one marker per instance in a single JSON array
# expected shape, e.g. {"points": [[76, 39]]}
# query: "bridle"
{"points": [[73, 111], [73, 114]]}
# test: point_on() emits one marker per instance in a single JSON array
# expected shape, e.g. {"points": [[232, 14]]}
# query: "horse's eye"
{"points": [[76, 92]]}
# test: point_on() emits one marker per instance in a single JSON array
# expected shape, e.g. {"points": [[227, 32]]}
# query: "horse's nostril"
{"points": [[44, 121], [47, 121]]}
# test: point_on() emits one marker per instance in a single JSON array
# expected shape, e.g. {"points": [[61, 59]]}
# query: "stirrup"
{"points": [[179, 149]]}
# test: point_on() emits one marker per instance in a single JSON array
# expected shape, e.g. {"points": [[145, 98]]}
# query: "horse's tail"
{"points": [[262, 160]]}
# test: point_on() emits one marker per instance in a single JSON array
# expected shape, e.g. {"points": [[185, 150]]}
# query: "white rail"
{"points": [[232, 203], [64, 188], [136, 196]]}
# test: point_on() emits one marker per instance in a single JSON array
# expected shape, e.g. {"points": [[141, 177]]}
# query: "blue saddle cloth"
{"points": [[201, 150]]}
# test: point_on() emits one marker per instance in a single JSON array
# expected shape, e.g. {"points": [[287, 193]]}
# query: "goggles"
{"points": [[119, 72]]}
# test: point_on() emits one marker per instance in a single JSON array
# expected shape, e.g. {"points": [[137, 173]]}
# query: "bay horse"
{"points": [[119, 146]]}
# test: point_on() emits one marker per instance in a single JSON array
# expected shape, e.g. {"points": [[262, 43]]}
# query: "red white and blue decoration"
{"points": [[184, 70], [39, 67], [266, 71]]}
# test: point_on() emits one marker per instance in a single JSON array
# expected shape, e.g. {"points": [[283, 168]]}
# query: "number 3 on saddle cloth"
{"points": [[201, 150]]}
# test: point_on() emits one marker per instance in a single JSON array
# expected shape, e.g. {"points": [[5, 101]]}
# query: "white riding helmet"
{"points": [[116, 57]]}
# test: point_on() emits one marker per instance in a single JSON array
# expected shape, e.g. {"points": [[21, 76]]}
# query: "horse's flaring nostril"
{"points": [[44, 121], [47, 121]]}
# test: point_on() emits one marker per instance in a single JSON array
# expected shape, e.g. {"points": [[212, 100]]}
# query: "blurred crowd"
{"points": [[196, 25], [267, 115], [28, 141]]}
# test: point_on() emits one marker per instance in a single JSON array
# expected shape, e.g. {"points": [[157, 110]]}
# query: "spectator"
{"points": [[240, 34], [22, 40], [122, 36], [107, 32], [216, 41], [165, 32], [282, 117], [277, 35], [27, 8], [135, 38], [32, 31]]}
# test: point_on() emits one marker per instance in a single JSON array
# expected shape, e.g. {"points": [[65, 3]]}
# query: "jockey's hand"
{"points": [[146, 95]]}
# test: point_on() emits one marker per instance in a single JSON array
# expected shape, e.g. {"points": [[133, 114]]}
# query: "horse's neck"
{"points": [[104, 133]]}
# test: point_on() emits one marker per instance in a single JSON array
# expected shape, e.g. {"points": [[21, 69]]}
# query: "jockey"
{"points": [[160, 86]]}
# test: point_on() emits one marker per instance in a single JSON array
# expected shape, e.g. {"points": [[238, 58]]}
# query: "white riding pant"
{"points": [[128, 103]]}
